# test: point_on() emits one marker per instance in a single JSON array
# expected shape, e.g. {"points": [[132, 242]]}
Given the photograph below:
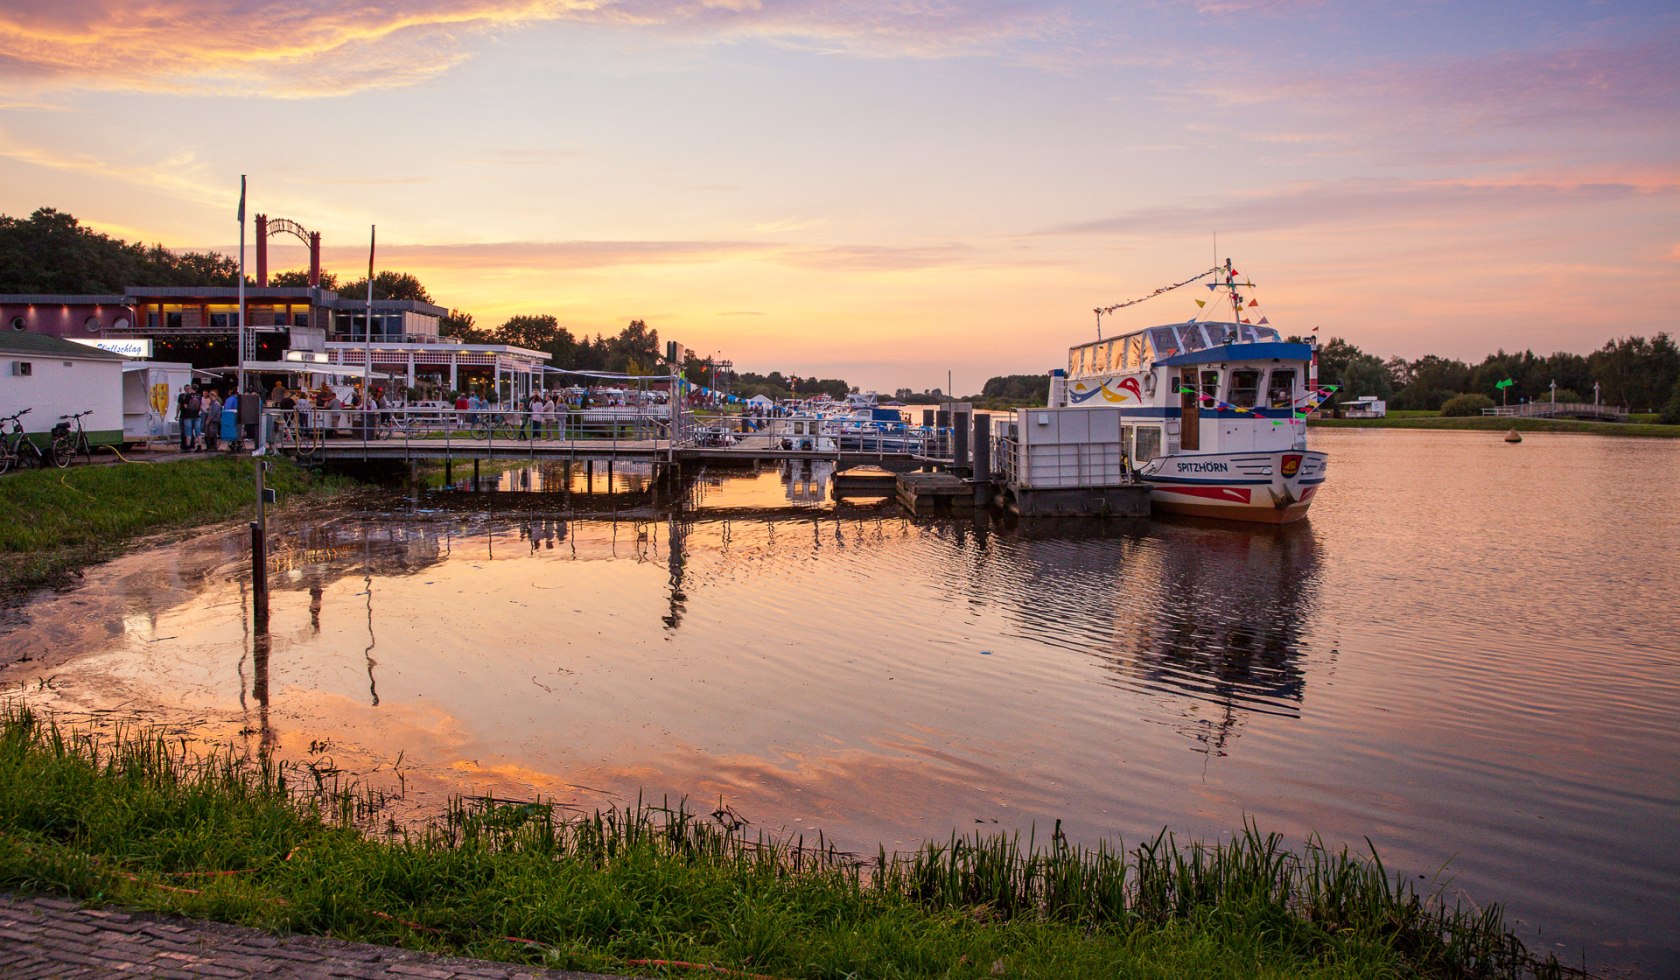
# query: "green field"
{"points": [[59, 521], [139, 819]]}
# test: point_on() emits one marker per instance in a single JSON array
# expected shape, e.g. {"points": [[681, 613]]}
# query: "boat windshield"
{"points": [[1135, 352]]}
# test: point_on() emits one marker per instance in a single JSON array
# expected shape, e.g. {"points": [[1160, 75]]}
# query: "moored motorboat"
{"points": [[1213, 413]]}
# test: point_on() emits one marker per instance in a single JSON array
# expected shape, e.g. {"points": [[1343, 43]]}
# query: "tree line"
{"points": [[1639, 373], [51, 252]]}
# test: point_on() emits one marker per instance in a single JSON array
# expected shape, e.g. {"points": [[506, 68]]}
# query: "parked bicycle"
{"points": [[495, 425], [69, 438], [16, 448]]}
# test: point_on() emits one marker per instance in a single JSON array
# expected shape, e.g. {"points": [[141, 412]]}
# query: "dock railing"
{"points": [[307, 428]]}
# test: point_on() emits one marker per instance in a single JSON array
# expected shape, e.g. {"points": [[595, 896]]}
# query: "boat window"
{"points": [[1210, 383], [1073, 363], [1134, 354], [1245, 387], [1165, 340], [1099, 358], [1148, 443], [1281, 392]]}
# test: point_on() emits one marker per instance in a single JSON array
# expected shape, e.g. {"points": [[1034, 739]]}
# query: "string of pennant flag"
{"points": [[1314, 399]]}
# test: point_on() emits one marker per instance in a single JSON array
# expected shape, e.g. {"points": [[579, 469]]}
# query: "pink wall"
{"points": [[62, 320]]}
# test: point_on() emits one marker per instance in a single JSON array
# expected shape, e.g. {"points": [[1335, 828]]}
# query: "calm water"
{"points": [[1468, 654]]}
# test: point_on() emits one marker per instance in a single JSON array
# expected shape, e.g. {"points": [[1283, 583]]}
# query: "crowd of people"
{"points": [[210, 417]]}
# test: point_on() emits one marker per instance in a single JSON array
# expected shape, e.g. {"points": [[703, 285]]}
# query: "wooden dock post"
{"points": [[982, 460], [960, 414]]}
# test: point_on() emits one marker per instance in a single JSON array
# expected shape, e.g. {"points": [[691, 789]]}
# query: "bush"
{"points": [[1461, 405], [1671, 411]]}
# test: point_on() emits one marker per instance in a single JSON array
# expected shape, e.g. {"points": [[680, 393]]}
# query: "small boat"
{"points": [[1213, 415]]}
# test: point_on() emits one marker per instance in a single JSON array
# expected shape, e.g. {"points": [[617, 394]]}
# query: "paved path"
{"points": [[50, 937]]}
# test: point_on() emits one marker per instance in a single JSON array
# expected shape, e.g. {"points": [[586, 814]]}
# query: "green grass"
{"points": [[59, 521], [141, 820], [1431, 420]]}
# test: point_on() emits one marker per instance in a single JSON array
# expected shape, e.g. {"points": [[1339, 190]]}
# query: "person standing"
{"points": [[187, 406], [250, 413], [212, 414]]}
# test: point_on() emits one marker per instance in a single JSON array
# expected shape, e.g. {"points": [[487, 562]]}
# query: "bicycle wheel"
{"points": [[6, 456], [61, 452]]}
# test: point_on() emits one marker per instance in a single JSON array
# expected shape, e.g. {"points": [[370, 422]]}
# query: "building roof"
{"points": [[141, 295], [17, 342], [61, 299]]}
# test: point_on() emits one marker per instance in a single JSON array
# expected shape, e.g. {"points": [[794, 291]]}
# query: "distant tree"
{"points": [[1636, 372], [459, 325], [1365, 375], [388, 285], [636, 347], [1017, 389], [1671, 411], [50, 252], [540, 332], [300, 277]]}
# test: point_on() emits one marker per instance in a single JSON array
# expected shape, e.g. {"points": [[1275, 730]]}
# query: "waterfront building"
{"points": [[286, 325]]}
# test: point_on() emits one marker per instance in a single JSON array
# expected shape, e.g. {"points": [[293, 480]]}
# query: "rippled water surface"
{"points": [[1467, 654]]}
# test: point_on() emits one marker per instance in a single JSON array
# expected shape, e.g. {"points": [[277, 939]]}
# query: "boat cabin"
{"points": [[1193, 387]]}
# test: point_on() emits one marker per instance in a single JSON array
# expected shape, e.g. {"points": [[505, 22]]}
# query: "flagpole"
{"points": [[367, 379], [240, 374]]}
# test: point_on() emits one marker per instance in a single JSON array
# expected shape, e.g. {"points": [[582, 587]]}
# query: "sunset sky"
{"points": [[884, 191]]}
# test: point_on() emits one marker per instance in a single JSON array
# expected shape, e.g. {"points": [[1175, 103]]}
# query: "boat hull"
{"points": [[1256, 487]]}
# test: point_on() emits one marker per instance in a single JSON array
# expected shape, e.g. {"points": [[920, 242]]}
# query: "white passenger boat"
{"points": [[1213, 414]]}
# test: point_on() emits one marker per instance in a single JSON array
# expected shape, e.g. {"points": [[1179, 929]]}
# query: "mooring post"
{"points": [[259, 551], [960, 413], [475, 474], [448, 471], [982, 460]]}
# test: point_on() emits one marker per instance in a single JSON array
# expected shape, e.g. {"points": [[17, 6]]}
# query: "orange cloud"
{"points": [[285, 50], [336, 47]]}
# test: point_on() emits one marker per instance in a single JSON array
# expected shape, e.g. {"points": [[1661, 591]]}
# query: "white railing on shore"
{"points": [[1544, 409]]}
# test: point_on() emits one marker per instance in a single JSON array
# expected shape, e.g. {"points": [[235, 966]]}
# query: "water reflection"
{"points": [[888, 678]]}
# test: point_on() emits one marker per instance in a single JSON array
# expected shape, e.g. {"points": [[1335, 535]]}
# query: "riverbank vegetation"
{"points": [[139, 819], [60, 521], [1489, 423]]}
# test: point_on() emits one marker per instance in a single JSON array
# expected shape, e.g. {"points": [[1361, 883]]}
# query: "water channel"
{"points": [[1467, 654]]}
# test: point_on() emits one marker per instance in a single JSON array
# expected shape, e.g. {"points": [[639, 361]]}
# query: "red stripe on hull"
{"points": [[1235, 495]]}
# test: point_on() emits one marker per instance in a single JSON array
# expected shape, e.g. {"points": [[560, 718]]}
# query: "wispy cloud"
{"points": [[303, 49], [1373, 203], [182, 175]]}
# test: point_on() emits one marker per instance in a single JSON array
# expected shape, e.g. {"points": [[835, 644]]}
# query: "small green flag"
{"points": [[1504, 384]]}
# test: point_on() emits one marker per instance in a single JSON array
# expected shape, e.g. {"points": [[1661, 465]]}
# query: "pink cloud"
{"points": [[334, 47]]}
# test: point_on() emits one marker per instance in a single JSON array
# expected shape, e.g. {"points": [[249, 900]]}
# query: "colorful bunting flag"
{"points": [[1201, 302]]}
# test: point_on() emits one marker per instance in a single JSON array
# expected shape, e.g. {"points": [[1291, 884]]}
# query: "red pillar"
{"points": [[262, 249]]}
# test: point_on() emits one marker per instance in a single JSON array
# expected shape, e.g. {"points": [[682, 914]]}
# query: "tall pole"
{"points": [[240, 373], [367, 334]]}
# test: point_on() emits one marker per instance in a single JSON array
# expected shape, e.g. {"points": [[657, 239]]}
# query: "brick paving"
{"points": [[50, 938]]}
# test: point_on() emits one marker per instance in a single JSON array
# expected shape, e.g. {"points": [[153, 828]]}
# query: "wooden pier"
{"points": [[1041, 477]]}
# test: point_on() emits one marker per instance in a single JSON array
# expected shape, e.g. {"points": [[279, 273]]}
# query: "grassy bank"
{"points": [[137, 820], [1430, 420], [59, 521]]}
